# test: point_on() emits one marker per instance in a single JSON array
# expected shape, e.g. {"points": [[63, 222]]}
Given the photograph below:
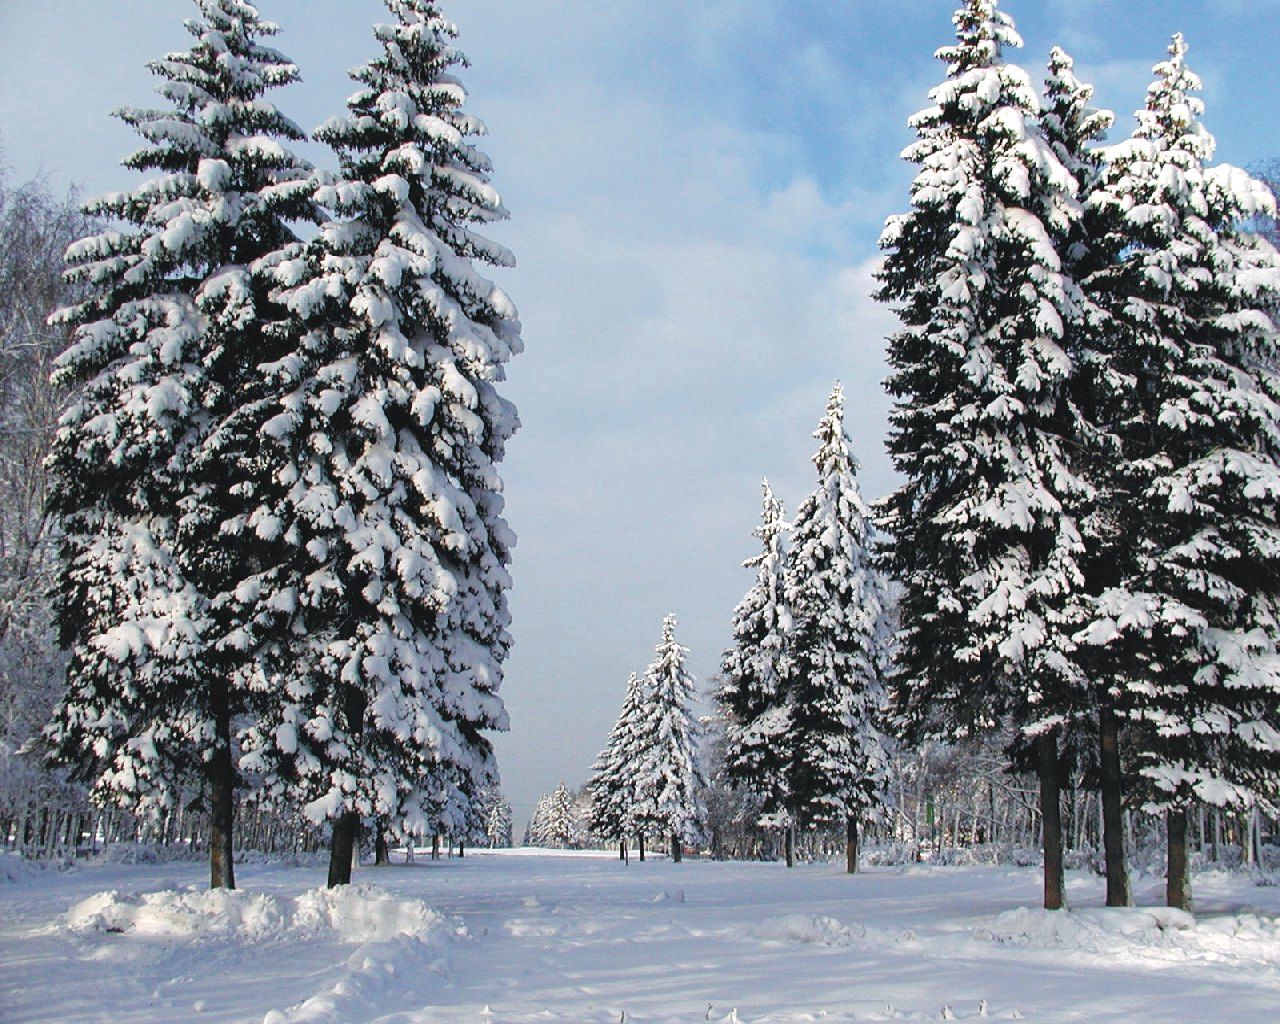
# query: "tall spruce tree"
{"points": [[751, 695], [1074, 130], [669, 780], [614, 774], [986, 541], [1190, 626], [171, 319], [833, 686], [382, 426]]}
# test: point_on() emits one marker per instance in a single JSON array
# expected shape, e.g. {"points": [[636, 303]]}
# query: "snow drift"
{"points": [[352, 914]]}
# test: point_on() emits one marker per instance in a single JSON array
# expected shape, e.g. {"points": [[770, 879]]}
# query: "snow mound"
{"points": [[400, 942], [1093, 930], [15, 868], [174, 914], [352, 914], [364, 913], [809, 929], [1151, 932]]}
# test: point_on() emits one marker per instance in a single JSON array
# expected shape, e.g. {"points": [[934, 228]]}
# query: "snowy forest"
{"points": [[255, 557]]}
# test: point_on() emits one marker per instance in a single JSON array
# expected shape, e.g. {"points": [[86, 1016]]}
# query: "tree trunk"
{"points": [[677, 850], [851, 844], [222, 784], [1178, 876], [642, 847], [342, 848], [1051, 817], [462, 848], [622, 849], [1113, 811], [789, 845], [381, 852], [435, 846]]}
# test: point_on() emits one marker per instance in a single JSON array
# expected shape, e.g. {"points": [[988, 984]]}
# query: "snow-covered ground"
{"points": [[557, 939]]}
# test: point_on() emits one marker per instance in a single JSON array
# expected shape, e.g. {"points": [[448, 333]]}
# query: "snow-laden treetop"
{"points": [[981, 32]]}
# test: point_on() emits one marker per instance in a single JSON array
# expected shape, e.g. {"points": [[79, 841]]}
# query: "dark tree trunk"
{"points": [[381, 852], [622, 849], [642, 847], [344, 843], [462, 848], [342, 848], [1051, 816], [1113, 810], [435, 846], [1178, 876], [222, 789], [789, 846], [851, 845], [677, 850]]}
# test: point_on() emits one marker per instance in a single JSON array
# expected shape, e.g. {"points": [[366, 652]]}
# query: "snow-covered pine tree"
{"points": [[386, 564], [1074, 130], [560, 818], [496, 819], [538, 832], [613, 776], [668, 776], [751, 696], [552, 824], [583, 835], [985, 536], [170, 322], [1190, 625], [835, 696]]}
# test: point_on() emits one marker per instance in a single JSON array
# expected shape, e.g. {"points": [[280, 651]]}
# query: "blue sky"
{"points": [[696, 189]]}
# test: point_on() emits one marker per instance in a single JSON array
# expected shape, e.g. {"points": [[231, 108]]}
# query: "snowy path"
{"points": [[554, 940]]}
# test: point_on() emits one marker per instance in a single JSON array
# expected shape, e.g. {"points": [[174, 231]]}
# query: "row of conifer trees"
{"points": [[283, 558], [1086, 416], [1085, 553]]}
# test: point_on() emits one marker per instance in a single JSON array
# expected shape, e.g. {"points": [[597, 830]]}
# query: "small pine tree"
{"points": [[538, 832], [835, 696], [163, 342], [668, 777], [560, 818], [751, 694], [1189, 625], [613, 776], [496, 819]]}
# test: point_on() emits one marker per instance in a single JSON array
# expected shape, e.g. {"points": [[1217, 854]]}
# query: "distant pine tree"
{"points": [[614, 775], [751, 694], [538, 832], [496, 819], [668, 779], [164, 338], [837, 760], [560, 818]]}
